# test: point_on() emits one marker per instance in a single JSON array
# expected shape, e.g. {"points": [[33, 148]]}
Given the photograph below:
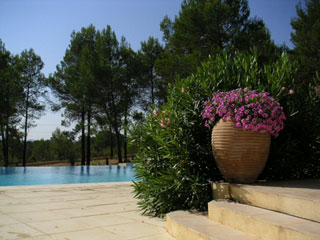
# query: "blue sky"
{"points": [[46, 26]]}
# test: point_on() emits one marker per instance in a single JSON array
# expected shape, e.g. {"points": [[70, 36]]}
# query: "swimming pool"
{"points": [[15, 176]]}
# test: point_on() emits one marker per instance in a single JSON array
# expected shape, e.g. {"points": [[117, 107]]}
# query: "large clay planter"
{"points": [[240, 155]]}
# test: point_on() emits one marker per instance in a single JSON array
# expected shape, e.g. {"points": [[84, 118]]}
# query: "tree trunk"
{"points": [[114, 122], [25, 143], [125, 146], [6, 151], [25, 131], [125, 136], [118, 136], [88, 139], [107, 143], [4, 146], [83, 154], [111, 142], [118, 145]]}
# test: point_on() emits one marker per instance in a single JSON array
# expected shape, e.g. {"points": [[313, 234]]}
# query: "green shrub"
{"points": [[174, 163], [295, 154]]}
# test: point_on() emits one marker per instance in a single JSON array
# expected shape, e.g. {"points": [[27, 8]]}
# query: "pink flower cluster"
{"points": [[164, 122], [250, 110]]}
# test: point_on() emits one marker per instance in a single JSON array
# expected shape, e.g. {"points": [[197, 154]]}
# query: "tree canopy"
{"points": [[95, 80], [150, 83], [306, 38], [206, 27]]}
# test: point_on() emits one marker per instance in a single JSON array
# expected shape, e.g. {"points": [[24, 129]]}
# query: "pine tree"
{"points": [[306, 39], [204, 28], [33, 82], [11, 92]]}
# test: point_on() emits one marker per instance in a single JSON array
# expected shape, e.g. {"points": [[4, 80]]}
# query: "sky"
{"points": [[46, 26]]}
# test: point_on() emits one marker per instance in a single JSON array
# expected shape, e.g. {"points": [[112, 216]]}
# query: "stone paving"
{"points": [[97, 211]]}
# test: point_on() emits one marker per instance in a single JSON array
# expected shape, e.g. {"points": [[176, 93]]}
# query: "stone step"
{"points": [[262, 223], [184, 225], [298, 198]]}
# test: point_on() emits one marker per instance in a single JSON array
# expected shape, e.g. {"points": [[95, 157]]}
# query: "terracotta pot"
{"points": [[240, 155]]}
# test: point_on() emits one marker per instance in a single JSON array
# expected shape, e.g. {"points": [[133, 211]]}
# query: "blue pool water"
{"points": [[15, 176]]}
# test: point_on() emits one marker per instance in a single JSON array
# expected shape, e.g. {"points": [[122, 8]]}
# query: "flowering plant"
{"points": [[250, 110], [164, 122]]}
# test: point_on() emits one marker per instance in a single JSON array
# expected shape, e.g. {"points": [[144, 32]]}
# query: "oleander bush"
{"points": [[174, 163]]}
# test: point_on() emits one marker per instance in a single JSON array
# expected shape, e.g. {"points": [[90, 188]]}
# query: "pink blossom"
{"points": [[155, 112], [168, 121], [283, 88], [164, 112], [291, 92], [162, 123], [182, 90]]}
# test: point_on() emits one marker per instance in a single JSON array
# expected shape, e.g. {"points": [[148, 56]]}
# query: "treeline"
{"points": [[63, 147], [103, 85]]}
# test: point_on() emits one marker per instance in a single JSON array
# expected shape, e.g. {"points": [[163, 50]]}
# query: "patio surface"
{"points": [[96, 211]]}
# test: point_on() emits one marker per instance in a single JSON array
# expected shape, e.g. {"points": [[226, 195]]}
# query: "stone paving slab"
{"points": [[75, 211]]}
